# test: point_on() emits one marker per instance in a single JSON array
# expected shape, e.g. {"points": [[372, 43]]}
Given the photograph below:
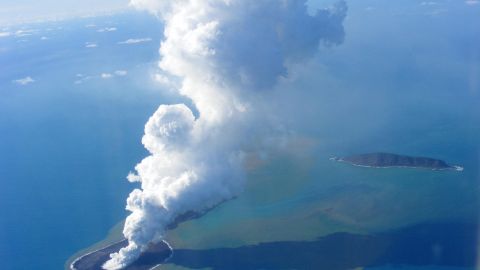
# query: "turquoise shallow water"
{"points": [[401, 82]]}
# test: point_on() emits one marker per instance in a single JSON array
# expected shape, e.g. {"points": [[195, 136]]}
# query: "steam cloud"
{"points": [[224, 54]]}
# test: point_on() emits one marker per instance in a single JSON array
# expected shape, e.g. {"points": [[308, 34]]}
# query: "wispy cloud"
{"points": [[116, 73], [428, 3], [121, 73], [472, 2], [24, 33], [437, 12], [24, 81], [91, 45], [81, 78], [165, 81], [5, 34], [135, 40], [107, 29]]}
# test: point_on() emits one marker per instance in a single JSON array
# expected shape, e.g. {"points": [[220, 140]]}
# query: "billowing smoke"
{"points": [[224, 54]]}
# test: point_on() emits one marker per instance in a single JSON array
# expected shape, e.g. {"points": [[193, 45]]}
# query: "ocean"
{"points": [[69, 139], [405, 80]]}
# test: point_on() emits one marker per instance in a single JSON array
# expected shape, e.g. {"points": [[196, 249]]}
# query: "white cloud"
{"points": [[24, 81], [132, 177], [81, 78], [116, 73], [121, 73], [226, 57], [107, 29], [5, 34], [106, 75], [24, 33], [164, 81], [43, 38], [91, 45], [135, 40]]}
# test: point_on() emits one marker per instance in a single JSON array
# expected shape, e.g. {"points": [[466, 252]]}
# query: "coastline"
{"points": [[451, 168], [153, 257], [72, 265], [115, 237]]}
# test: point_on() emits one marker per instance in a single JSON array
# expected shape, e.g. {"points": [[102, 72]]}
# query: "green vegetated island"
{"points": [[387, 160]]}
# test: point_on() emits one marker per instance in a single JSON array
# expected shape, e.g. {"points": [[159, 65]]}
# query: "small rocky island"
{"points": [[386, 160]]}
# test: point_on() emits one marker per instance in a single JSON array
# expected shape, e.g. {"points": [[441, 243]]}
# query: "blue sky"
{"points": [[14, 11]]}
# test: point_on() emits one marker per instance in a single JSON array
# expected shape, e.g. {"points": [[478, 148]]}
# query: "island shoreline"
{"points": [[450, 168], [163, 243], [180, 219]]}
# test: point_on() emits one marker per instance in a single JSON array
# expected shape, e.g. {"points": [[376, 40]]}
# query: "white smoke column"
{"points": [[225, 53]]}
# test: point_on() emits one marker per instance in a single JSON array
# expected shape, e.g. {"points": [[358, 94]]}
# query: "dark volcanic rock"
{"points": [[394, 160], [156, 254]]}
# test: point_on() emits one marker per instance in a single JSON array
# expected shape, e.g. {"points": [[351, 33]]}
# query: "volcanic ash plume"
{"points": [[225, 54]]}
